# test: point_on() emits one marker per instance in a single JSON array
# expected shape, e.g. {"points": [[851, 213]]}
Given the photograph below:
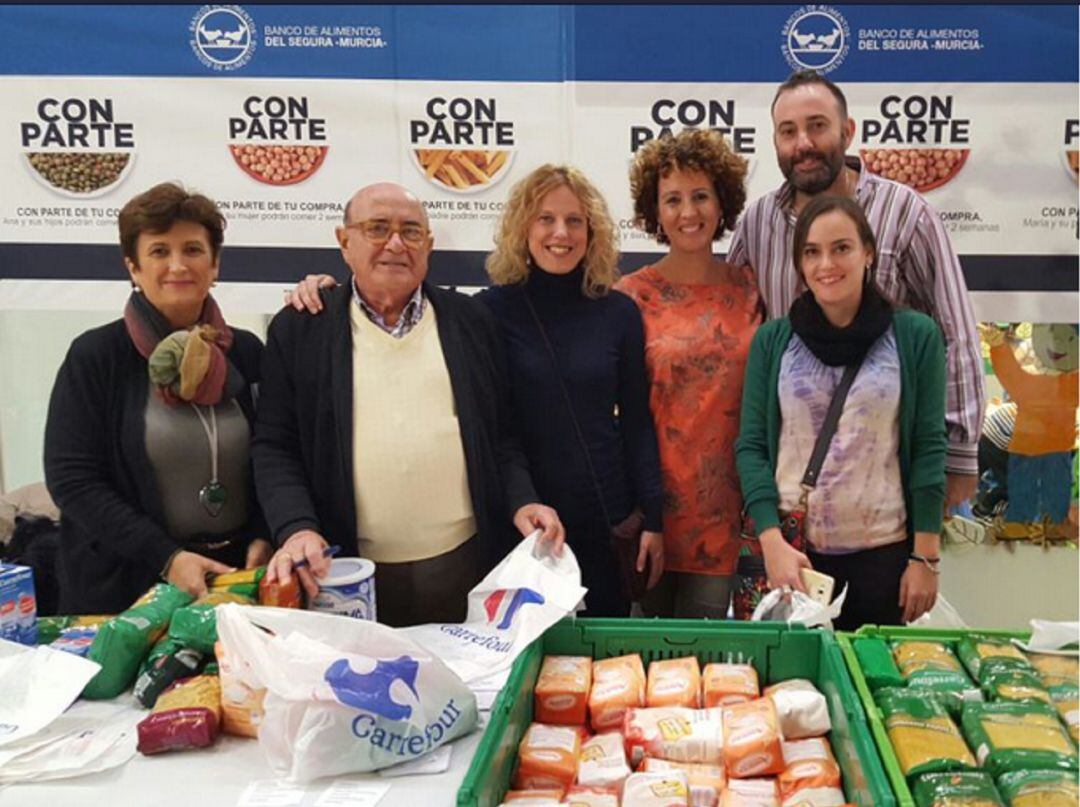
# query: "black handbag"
{"points": [[624, 537]]}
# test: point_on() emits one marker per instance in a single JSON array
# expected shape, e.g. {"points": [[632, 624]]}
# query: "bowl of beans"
{"points": [[80, 174], [1072, 162], [921, 169], [278, 165]]}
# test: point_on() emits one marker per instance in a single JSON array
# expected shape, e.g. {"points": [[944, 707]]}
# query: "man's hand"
{"points": [[782, 561], [534, 516], [304, 545], [959, 488], [258, 553], [306, 293], [188, 572], [918, 590], [652, 548]]}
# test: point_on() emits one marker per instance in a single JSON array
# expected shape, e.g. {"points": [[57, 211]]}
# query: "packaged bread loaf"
{"points": [[581, 796], [750, 793], [674, 682], [561, 695], [922, 734], [1040, 788], [618, 683], [728, 684], [807, 764], [706, 781], [800, 708], [816, 797], [534, 795], [752, 740], [666, 789], [547, 757], [1017, 736], [603, 761], [682, 735], [956, 789]]}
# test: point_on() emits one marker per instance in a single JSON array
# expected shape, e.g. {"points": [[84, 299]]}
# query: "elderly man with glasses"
{"points": [[383, 426]]}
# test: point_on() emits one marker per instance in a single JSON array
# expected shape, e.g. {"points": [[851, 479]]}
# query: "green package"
{"points": [[1066, 699], [1003, 681], [124, 640], [165, 646], [952, 701], [877, 662], [1054, 669], [974, 650], [1040, 788], [930, 665], [922, 734], [1011, 736], [49, 627], [195, 626], [956, 789]]}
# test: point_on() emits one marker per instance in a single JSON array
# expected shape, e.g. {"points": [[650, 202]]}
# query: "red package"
{"points": [[186, 715]]}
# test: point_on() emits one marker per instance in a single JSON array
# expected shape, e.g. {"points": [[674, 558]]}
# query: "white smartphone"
{"points": [[818, 586]]}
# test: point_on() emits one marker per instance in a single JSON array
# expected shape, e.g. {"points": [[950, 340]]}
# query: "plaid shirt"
{"points": [[917, 267], [410, 316]]}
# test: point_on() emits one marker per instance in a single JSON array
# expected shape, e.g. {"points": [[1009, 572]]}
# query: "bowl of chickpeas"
{"points": [[921, 169], [278, 165]]}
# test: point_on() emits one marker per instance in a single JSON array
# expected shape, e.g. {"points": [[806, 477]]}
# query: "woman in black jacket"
{"points": [[149, 425]]}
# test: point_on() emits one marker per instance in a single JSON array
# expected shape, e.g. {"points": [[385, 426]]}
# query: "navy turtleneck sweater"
{"points": [[600, 348]]}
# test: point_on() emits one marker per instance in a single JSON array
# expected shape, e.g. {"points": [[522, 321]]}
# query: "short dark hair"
{"points": [[701, 150], [158, 209], [826, 203], [801, 78]]}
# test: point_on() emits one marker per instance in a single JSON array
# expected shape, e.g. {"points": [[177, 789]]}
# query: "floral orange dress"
{"points": [[697, 338]]}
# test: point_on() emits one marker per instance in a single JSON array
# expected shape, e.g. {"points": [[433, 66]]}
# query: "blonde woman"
{"points": [[576, 353]]}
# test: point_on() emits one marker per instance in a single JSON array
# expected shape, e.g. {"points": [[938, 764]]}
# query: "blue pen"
{"points": [[329, 552]]}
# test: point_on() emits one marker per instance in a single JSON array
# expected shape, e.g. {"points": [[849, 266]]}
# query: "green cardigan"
{"points": [[922, 421]]}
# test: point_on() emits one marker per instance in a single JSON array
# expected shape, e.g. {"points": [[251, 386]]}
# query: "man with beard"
{"points": [[917, 266]]}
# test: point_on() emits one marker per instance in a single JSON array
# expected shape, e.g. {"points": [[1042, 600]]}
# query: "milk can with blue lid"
{"points": [[348, 590]]}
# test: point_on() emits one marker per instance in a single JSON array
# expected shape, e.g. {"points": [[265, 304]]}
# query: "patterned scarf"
{"points": [[185, 365]]}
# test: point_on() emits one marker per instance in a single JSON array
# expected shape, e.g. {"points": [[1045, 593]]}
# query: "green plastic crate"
{"points": [[777, 651], [873, 713]]}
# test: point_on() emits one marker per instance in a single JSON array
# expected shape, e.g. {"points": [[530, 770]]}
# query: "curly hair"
{"points": [[509, 262], [690, 150], [158, 209]]}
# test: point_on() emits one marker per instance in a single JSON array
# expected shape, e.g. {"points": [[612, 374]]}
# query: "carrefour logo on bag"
{"points": [[371, 691], [223, 37], [503, 605], [815, 38]]}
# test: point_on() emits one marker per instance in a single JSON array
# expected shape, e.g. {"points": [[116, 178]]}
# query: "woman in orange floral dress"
{"points": [[700, 314]]}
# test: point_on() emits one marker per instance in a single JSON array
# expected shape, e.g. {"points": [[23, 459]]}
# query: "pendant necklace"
{"points": [[212, 496]]}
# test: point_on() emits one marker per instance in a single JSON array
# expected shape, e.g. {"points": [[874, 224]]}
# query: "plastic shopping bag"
{"points": [[780, 605], [527, 593], [343, 695]]}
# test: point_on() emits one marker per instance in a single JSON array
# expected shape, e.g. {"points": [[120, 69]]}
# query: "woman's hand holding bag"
{"points": [[782, 560]]}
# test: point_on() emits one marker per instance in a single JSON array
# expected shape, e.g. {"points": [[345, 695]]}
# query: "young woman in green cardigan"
{"points": [[874, 517]]}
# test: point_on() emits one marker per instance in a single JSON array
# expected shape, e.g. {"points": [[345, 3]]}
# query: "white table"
{"points": [[217, 776]]}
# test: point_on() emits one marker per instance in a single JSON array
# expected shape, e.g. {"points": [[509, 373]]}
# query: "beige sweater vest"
{"points": [[409, 477]]}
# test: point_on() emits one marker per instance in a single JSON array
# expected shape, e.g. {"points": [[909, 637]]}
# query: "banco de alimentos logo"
{"points": [[815, 38], [223, 37]]}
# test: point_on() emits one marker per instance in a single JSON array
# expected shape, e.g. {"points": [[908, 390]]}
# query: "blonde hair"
{"points": [[509, 262]]}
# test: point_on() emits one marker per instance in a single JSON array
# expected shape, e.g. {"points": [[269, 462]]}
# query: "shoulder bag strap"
{"points": [[569, 406], [828, 428]]}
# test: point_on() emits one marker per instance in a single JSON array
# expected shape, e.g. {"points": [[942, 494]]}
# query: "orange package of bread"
{"points": [[807, 764], [547, 757], [603, 762], [750, 793], [535, 795], [752, 740], [617, 683], [728, 684], [706, 781], [674, 682], [675, 733], [581, 796], [241, 705], [561, 695], [827, 797]]}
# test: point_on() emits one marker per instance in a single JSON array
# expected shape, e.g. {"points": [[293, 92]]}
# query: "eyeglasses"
{"points": [[379, 231]]}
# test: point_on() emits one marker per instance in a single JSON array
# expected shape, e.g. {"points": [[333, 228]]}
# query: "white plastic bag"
{"points": [[343, 695], [942, 615], [527, 593], [783, 605]]}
